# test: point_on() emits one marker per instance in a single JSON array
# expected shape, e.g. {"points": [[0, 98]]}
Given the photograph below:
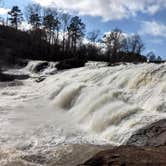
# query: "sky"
{"points": [[144, 17]]}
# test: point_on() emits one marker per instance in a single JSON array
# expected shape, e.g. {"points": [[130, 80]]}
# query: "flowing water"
{"points": [[94, 104]]}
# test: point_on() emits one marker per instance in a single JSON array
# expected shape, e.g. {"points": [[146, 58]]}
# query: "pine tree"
{"points": [[16, 16], [50, 23], [35, 20], [33, 15], [75, 31]]}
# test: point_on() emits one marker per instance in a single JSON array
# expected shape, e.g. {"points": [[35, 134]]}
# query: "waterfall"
{"points": [[94, 103]]}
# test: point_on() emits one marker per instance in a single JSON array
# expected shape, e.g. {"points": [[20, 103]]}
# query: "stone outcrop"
{"points": [[147, 147], [129, 156], [70, 63], [41, 66], [9, 77], [152, 135]]}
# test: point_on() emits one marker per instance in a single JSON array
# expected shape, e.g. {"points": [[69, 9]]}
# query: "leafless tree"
{"points": [[51, 23], [138, 45], [65, 19], [133, 44], [113, 41], [33, 15], [92, 36]]}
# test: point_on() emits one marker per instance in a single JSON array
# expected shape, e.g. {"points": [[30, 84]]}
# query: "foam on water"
{"points": [[85, 105]]}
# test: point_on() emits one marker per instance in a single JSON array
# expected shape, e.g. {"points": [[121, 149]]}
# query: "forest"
{"points": [[54, 35]]}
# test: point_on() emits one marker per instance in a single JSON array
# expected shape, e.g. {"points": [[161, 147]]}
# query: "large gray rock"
{"points": [[10, 77], [129, 156], [152, 135]]}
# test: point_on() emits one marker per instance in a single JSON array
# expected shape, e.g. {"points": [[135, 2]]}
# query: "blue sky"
{"points": [[145, 17]]}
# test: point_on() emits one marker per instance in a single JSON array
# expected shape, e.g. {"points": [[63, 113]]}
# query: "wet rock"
{"points": [[70, 63], [4, 77], [152, 135], [9, 77], [129, 156], [40, 79], [38, 159], [41, 66], [61, 155]]}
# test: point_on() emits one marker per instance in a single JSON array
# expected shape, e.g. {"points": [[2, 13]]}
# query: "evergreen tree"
{"points": [[76, 30], [33, 14], [35, 20], [16, 16], [51, 23]]}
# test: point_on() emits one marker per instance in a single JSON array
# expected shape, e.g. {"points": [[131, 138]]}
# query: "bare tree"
{"points": [[50, 23], [133, 44], [52, 19], [151, 56], [2, 20], [92, 36], [65, 18], [33, 15], [138, 45], [113, 41]]}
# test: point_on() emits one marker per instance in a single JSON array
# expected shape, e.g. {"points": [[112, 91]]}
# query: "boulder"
{"points": [[40, 79], [152, 135], [70, 63], [129, 156], [40, 67], [9, 77], [146, 147]]}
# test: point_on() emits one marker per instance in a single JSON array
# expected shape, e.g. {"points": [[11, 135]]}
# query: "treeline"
{"points": [[55, 35]]}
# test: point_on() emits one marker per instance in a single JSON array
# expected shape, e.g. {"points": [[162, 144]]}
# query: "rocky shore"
{"points": [[62, 155], [10, 77], [147, 147], [129, 156]]}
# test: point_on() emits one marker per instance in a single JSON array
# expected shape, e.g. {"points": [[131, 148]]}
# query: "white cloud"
{"points": [[153, 28], [3, 11], [107, 9], [25, 26], [153, 9]]}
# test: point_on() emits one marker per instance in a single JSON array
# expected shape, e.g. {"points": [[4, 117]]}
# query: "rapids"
{"points": [[94, 104]]}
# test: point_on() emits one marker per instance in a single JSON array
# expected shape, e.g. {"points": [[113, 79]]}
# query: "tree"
{"points": [[159, 59], [92, 36], [51, 23], [16, 16], [151, 56], [35, 20], [76, 30], [92, 48], [33, 14], [136, 44], [133, 44], [113, 42], [65, 19]]}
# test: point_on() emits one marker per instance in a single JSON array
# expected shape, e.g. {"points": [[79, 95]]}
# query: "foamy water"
{"points": [[94, 104]]}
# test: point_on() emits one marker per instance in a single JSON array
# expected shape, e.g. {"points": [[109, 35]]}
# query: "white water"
{"points": [[93, 104]]}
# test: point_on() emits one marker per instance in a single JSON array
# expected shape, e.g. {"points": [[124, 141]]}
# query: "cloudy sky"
{"points": [[145, 17]]}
